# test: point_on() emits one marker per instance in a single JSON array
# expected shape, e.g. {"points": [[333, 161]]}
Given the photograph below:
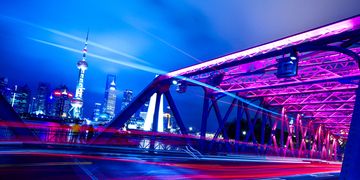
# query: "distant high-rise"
{"points": [[77, 102], [42, 99], [3, 84], [60, 102], [110, 96], [127, 98], [5, 91], [143, 111], [135, 123], [97, 111], [20, 99]]}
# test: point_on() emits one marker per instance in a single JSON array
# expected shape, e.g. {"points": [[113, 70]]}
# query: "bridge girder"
{"points": [[326, 81]]}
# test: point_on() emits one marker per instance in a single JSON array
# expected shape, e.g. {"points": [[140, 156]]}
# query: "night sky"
{"points": [[137, 39]]}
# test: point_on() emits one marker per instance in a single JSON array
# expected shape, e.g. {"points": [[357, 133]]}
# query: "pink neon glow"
{"points": [[190, 170], [56, 133], [322, 32]]}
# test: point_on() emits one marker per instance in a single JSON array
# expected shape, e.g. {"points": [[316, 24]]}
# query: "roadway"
{"points": [[55, 163]]}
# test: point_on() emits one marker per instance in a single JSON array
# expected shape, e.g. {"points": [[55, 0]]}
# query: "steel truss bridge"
{"points": [[312, 110], [304, 116]]}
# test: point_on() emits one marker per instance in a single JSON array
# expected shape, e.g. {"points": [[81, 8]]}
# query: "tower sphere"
{"points": [[82, 64]]}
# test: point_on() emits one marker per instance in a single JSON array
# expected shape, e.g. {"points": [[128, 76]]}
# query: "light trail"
{"points": [[111, 60], [92, 43], [197, 170], [46, 164], [62, 132]]}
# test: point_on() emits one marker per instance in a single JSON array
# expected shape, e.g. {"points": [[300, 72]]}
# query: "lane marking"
{"points": [[89, 173]]}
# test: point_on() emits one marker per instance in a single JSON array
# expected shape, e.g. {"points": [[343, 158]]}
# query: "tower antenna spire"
{"points": [[87, 36], [77, 102]]}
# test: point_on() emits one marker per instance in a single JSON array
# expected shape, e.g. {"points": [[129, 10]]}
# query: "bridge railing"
{"points": [[156, 142]]}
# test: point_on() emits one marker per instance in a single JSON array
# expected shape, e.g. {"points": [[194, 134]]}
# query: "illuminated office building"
{"points": [[5, 91], [110, 96], [61, 102], [20, 99], [127, 98], [41, 101], [96, 112]]}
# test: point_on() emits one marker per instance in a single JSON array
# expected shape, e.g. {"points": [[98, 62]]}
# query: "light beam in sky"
{"points": [[128, 64], [155, 71], [63, 34], [168, 44]]}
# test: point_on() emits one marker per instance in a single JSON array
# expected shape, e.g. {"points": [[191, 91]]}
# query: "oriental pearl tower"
{"points": [[77, 102]]}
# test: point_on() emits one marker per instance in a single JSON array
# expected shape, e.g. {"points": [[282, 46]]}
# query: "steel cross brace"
{"points": [[239, 115], [223, 121], [220, 120], [176, 113], [251, 124]]}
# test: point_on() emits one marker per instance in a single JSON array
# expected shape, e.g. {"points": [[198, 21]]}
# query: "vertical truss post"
{"points": [[283, 119], [263, 124], [247, 116], [321, 132], [315, 144], [326, 146], [273, 136], [205, 114], [298, 131], [239, 114], [155, 121], [270, 137], [289, 140], [176, 113], [335, 146]]}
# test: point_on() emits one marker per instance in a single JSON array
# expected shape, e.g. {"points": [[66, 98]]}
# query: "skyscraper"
{"points": [[127, 98], [60, 102], [77, 102], [20, 99], [3, 84], [42, 99], [5, 91], [97, 111], [110, 96]]}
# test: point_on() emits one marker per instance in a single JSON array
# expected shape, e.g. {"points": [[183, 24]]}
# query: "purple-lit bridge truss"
{"points": [[313, 110]]}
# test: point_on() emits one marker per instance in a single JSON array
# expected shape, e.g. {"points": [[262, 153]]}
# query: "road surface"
{"points": [[52, 164]]}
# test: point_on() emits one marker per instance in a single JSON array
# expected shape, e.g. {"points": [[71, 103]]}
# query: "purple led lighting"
{"points": [[322, 32]]}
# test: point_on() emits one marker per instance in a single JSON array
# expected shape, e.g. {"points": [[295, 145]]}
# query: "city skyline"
{"points": [[44, 92]]}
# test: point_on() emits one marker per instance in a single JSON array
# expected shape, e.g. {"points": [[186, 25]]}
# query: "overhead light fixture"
{"points": [[288, 66]]}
